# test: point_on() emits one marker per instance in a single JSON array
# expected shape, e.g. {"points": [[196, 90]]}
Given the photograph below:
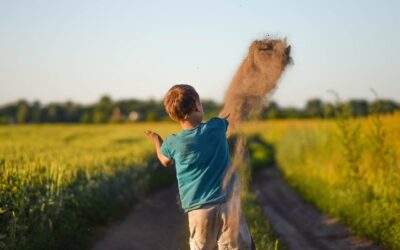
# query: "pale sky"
{"points": [[80, 50]]}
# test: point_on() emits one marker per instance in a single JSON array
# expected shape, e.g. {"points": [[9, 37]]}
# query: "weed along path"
{"points": [[155, 223], [299, 224]]}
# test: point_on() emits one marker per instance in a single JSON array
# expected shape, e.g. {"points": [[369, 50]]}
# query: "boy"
{"points": [[201, 155]]}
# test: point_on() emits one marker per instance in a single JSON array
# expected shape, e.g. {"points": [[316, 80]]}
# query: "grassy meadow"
{"points": [[349, 168], [58, 183]]}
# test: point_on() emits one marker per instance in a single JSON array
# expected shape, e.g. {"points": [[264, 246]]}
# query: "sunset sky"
{"points": [[80, 50]]}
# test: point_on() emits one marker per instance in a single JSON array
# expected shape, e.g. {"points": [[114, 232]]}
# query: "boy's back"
{"points": [[201, 158]]}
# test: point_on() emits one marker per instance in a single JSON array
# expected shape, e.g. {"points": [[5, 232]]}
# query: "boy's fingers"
{"points": [[150, 133]]}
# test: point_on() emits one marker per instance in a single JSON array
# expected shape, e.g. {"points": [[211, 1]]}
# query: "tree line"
{"points": [[106, 110]]}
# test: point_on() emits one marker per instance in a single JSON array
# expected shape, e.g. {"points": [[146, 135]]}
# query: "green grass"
{"points": [[261, 231], [261, 155], [349, 168], [59, 183]]}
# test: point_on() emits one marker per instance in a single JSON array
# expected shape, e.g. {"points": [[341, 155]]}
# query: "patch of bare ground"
{"points": [[157, 223], [298, 223]]}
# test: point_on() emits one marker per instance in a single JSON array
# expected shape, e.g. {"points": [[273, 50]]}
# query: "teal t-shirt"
{"points": [[201, 158]]}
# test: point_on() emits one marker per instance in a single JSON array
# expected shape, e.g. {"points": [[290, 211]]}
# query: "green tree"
{"points": [[4, 120], [314, 108], [329, 110], [383, 106], [291, 113], [86, 117], [99, 116], [36, 112], [22, 112], [271, 111], [53, 113], [71, 112], [103, 110], [357, 107], [151, 116]]}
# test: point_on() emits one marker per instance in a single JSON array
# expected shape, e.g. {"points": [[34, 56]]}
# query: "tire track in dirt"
{"points": [[156, 223], [298, 223]]}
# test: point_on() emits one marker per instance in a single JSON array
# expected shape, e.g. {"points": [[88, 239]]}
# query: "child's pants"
{"points": [[219, 226]]}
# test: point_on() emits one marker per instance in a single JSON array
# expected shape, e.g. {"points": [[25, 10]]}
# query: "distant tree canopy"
{"points": [[107, 110], [314, 108]]}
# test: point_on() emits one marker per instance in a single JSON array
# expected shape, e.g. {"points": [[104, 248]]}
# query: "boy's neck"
{"points": [[189, 123]]}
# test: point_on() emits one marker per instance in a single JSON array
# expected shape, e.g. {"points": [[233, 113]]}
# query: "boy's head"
{"points": [[182, 102]]}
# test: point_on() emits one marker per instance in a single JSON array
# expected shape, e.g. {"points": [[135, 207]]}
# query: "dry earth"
{"points": [[298, 223], [157, 223]]}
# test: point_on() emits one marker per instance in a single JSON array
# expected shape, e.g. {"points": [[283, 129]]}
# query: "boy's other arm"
{"points": [[156, 138]]}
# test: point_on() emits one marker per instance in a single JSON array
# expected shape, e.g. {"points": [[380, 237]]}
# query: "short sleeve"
{"points": [[165, 150], [220, 122]]}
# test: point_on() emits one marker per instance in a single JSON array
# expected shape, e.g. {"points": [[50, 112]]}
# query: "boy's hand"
{"points": [[153, 136], [156, 138]]}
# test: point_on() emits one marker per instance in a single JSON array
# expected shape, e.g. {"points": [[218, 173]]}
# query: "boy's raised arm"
{"points": [[156, 138]]}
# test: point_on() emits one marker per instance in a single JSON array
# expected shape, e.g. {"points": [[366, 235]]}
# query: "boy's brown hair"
{"points": [[180, 101]]}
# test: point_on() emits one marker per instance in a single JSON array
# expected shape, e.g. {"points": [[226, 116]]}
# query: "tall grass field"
{"points": [[59, 182], [56, 181], [349, 168]]}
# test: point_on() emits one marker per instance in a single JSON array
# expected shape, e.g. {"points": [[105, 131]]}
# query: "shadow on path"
{"points": [[156, 223]]}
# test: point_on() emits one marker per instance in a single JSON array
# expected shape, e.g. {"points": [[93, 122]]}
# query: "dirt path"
{"points": [[299, 224], [157, 223]]}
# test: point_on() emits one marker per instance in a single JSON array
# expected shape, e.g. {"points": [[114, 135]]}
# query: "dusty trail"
{"points": [[299, 224], [157, 223]]}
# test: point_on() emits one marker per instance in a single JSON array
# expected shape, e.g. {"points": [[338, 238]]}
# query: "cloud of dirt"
{"points": [[255, 79], [252, 83]]}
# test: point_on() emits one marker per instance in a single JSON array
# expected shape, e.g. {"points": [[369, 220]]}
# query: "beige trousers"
{"points": [[219, 226]]}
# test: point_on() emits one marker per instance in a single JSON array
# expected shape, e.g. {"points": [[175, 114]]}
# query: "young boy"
{"points": [[201, 155]]}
